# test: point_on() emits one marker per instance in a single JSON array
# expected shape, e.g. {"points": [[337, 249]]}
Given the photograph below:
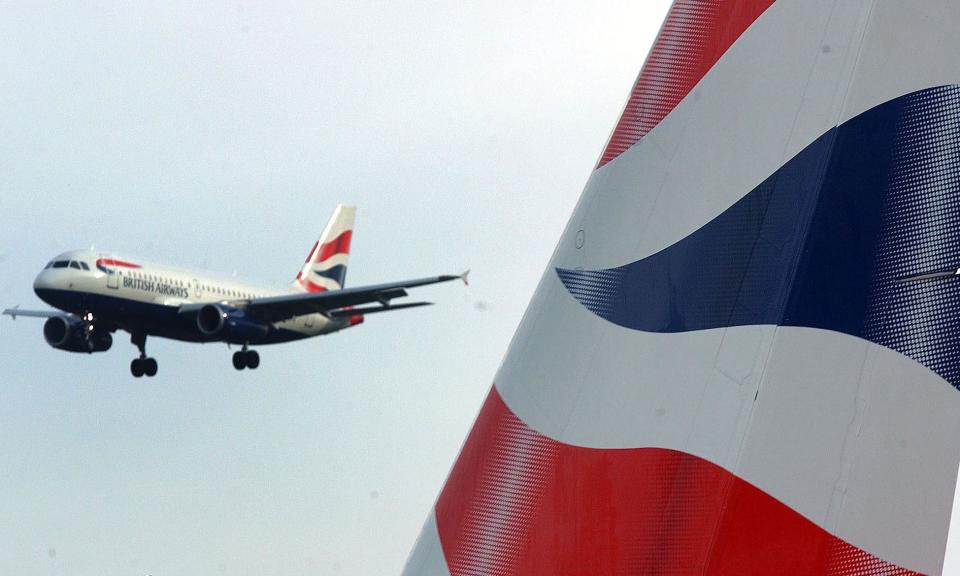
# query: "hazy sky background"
{"points": [[221, 135]]}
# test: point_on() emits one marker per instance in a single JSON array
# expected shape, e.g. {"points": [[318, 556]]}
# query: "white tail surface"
{"points": [[326, 266]]}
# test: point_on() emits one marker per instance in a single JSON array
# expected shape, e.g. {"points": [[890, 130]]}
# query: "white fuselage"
{"points": [[135, 294]]}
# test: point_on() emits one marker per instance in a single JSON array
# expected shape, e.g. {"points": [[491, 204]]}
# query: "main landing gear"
{"points": [[142, 366], [246, 359]]}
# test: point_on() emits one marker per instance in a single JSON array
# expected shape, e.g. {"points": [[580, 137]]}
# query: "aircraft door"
{"points": [[197, 290], [113, 273]]}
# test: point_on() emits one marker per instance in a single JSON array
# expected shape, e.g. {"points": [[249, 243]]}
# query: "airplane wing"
{"points": [[333, 302], [16, 311]]}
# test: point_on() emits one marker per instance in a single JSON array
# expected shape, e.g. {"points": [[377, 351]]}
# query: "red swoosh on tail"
{"points": [[694, 36], [518, 502], [339, 245]]}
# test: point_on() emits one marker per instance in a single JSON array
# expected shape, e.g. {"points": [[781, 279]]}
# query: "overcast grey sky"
{"points": [[221, 135]]}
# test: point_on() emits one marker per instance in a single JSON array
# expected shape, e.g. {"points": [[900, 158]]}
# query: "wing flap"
{"points": [[346, 313]]}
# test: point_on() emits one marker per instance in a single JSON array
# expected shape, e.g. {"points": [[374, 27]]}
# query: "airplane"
{"points": [[97, 294]]}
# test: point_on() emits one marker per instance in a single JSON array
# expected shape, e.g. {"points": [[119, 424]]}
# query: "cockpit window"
{"points": [[61, 263], [49, 265], [84, 266], [74, 264]]}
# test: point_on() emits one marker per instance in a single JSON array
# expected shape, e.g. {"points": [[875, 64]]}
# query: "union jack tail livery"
{"points": [[744, 355], [326, 266]]}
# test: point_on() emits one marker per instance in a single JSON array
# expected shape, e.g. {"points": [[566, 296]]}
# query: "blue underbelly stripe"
{"points": [[154, 319], [821, 243]]}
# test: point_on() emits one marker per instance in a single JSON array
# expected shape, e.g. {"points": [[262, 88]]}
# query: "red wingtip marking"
{"points": [[356, 319], [694, 36], [517, 502]]}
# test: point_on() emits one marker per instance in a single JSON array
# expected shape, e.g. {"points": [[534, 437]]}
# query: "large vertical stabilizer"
{"points": [[722, 370]]}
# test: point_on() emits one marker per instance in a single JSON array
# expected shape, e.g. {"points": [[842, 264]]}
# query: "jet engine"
{"points": [[229, 324], [74, 335]]}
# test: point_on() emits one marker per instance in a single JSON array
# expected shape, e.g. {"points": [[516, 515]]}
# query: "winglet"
{"points": [[12, 312], [465, 277]]}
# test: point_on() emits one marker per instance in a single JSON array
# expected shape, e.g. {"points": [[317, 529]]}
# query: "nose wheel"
{"points": [[142, 366], [246, 359]]}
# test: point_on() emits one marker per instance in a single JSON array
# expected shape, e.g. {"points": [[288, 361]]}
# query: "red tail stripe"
{"points": [[339, 245], [518, 502], [695, 35]]}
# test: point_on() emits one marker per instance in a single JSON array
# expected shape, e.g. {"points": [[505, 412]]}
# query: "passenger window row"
{"points": [[225, 292], [206, 287], [157, 278], [80, 265]]}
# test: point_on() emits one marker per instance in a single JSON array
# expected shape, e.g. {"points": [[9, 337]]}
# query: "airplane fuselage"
{"points": [[147, 298], [97, 294]]}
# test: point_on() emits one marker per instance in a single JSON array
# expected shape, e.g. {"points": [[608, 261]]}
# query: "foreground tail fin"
{"points": [[742, 357], [326, 266]]}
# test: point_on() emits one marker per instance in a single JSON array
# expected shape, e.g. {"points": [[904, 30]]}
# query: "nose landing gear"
{"points": [[142, 366], [246, 359]]}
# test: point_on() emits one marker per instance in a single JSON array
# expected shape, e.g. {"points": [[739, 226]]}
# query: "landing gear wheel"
{"points": [[142, 365], [239, 360], [149, 367], [253, 359]]}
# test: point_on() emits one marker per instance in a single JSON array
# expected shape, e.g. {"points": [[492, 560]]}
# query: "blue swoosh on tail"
{"points": [[821, 243]]}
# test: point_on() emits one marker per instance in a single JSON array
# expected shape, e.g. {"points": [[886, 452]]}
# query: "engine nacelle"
{"points": [[70, 335], [229, 324]]}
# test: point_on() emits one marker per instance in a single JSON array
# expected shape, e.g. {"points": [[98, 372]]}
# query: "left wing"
{"points": [[332, 303], [16, 311]]}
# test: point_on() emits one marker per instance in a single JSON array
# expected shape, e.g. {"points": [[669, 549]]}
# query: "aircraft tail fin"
{"points": [[740, 359], [326, 266]]}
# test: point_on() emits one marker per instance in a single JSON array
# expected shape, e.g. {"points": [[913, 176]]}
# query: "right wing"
{"points": [[339, 303]]}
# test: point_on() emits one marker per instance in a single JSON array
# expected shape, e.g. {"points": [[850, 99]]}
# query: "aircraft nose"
{"points": [[42, 282]]}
